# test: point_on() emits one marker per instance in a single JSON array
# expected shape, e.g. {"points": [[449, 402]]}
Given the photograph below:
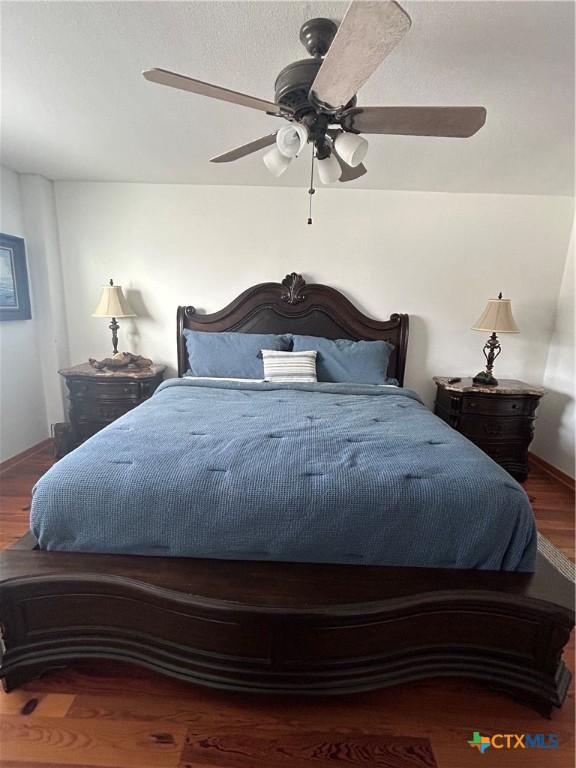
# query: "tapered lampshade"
{"points": [[113, 303], [497, 317], [291, 139], [329, 170], [351, 148], [276, 162]]}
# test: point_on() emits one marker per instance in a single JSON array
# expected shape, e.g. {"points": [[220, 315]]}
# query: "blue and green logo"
{"points": [[513, 741], [481, 743]]}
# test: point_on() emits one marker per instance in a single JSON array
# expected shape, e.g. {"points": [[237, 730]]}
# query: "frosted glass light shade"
{"points": [[351, 148], [113, 303], [329, 170], [497, 317], [276, 162], [291, 139]]}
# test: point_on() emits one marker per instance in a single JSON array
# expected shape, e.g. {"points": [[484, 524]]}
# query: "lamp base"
{"points": [[114, 328], [485, 379]]}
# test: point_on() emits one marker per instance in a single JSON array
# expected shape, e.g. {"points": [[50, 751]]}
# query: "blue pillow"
{"points": [[346, 361], [231, 355]]}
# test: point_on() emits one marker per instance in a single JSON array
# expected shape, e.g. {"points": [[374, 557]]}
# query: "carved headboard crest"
{"points": [[293, 283], [294, 306]]}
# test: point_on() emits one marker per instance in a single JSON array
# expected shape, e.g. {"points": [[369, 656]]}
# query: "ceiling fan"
{"points": [[317, 96]]}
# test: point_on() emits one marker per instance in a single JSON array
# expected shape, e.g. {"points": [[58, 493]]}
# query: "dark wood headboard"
{"points": [[292, 306]]}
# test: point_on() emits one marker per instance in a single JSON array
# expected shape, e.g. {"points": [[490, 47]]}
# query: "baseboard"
{"points": [[551, 470], [20, 457]]}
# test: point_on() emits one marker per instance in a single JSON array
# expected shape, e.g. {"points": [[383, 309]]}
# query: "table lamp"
{"points": [[496, 317], [113, 304]]}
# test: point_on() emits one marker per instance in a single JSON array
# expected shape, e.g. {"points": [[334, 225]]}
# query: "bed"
{"points": [[295, 472], [381, 546]]}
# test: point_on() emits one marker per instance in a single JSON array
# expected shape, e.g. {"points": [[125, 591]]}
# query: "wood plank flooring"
{"points": [[110, 714]]}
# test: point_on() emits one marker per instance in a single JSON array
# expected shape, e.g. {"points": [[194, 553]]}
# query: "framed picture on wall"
{"points": [[14, 293]]}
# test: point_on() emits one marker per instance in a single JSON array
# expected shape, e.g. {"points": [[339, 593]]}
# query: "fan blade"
{"points": [[368, 33], [456, 122], [174, 80], [349, 173], [245, 149]]}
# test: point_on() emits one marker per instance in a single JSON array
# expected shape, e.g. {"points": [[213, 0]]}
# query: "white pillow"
{"points": [[289, 366]]}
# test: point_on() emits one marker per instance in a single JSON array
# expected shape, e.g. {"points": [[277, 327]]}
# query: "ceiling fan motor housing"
{"points": [[292, 86]]}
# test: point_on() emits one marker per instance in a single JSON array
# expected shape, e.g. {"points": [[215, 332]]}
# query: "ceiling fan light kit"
{"points": [[318, 96], [291, 139], [351, 148], [329, 169], [276, 162]]}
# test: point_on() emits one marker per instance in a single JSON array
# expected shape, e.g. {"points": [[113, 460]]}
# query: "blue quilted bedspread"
{"points": [[330, 473]]}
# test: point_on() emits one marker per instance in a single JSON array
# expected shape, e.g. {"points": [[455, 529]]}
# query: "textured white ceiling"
{"points": [[75, 105]]}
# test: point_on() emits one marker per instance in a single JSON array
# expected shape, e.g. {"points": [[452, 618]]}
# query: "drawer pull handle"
{"points": [[493, 429]]}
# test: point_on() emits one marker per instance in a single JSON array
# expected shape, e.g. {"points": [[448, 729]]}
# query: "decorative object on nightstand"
{"points": [[98, 397], [499, 419], [113, 304], [496, 317], [121, 360]]}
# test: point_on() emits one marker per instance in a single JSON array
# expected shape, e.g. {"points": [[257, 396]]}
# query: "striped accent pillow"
{"points": [[289, 366]]}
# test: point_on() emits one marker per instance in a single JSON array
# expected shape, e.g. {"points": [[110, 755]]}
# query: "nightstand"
{"points": [[97, 398], [499, 420]]}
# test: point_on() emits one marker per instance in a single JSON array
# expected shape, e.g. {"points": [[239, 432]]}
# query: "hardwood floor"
{"points": [[108, 714]]}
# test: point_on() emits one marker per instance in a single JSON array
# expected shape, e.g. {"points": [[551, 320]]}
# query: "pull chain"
{"points": [[311, 191]]}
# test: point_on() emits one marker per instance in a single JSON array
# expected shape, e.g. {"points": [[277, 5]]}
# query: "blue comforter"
{"points": [[299, 472]]}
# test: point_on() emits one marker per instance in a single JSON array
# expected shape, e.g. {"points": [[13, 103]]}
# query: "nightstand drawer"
{"points": [[504, 452], [481, 427], [512, 456], [499, 406], [105, 389], [98, 411]]}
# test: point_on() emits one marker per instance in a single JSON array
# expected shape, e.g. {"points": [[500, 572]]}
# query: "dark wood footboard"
{"points": [[287, 628]]}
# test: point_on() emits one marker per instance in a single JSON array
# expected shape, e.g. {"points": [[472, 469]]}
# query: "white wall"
{"points": [[438, 257], [22, 402], [554, 439], [41, 228]]}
